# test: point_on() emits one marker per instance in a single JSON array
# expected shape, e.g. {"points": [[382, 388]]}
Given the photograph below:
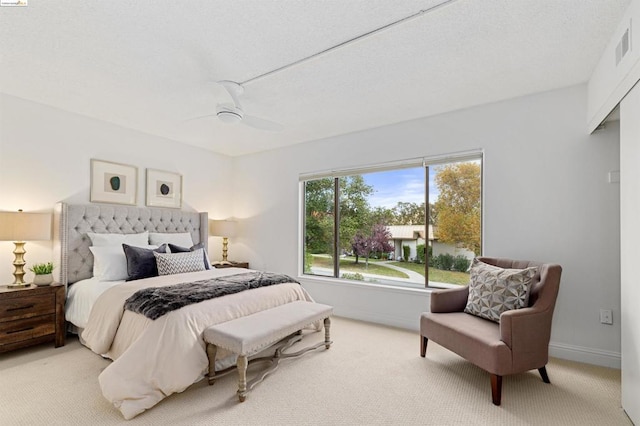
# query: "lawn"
{"points": [[349, 265], [437, 275]]}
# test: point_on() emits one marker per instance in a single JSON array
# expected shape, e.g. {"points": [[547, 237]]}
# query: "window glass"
{"points": [[385, 232], [319, 196]]}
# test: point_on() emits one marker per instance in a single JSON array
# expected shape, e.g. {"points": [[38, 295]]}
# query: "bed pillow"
{"points": [[177, 249], [179, 263], [182, 239], [110, 263], [140, 239], [495, 290], [141, 263]]}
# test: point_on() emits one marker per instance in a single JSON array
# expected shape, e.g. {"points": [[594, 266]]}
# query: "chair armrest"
{"points": [[450, 300], [526, 329]]}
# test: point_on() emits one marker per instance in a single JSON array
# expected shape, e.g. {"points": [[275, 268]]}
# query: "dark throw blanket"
{"points": [[153, 302]]}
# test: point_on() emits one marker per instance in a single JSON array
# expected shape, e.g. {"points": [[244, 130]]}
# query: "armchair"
{"points": [[518, 343]]}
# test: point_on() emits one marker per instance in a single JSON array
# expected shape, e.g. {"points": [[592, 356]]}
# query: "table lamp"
{"points": [[20, 227], [224, 229]]}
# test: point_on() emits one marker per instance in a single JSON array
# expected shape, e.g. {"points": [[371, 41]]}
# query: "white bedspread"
{"points": [[81, 297], [153, 359]]}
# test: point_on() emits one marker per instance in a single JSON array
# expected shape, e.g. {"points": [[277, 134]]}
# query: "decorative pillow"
{"points": [[182, 239], [494, 290], [110, 263], [178, 263], [141, 263], [177, 249], [141, 239]]}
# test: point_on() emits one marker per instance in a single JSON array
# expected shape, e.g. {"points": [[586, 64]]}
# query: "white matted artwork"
{"points": [[113, 183], [164, 189]]}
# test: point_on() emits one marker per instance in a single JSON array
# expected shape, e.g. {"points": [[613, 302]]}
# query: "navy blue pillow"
{"points": [[177, 249], [141, 263]]}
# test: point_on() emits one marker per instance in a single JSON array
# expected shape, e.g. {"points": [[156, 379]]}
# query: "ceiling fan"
{"points": [[233, 113]]}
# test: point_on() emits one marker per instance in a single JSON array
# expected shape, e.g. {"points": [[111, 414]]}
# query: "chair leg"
{"points": [[543, 374], [423, 346], [496, 388]]}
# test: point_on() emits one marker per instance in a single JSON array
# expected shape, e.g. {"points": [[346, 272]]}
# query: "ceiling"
{"points": [[152, 66]]}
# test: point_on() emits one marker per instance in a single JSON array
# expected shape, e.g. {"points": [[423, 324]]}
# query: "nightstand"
{"points": [[31, 315], [231, 265]]}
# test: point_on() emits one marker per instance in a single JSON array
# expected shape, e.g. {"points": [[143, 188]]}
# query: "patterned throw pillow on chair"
{"points": [[178, 263], [494, 290]]}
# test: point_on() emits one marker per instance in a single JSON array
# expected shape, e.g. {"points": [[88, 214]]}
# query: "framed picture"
{"points": [[113, 183], [164, 189]]}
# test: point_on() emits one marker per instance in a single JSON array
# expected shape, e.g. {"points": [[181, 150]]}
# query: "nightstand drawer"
{"points": [[231, 265], [26, 307], [25, 329]]}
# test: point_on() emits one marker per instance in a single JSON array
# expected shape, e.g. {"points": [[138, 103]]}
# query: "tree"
{"points": [[355, 212], [319, 215], [361, 246], [376, 242], [409, 213], [383, 215], [459, 204]]}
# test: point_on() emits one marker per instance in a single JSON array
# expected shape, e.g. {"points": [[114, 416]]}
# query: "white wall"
{"points": [[610, 80], [547, 198], [44, 158], [630, 237]]}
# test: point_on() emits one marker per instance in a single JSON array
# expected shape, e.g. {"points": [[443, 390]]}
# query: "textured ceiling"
{"points": [[152, 65]]}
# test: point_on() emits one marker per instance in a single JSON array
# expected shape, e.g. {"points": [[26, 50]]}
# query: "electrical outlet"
{"points": [[606, 317]]}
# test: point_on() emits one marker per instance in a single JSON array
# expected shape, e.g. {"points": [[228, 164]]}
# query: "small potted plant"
{"points": [[43, 273]]}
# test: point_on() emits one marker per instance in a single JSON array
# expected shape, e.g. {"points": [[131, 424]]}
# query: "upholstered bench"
{"points": [[246, 336]]}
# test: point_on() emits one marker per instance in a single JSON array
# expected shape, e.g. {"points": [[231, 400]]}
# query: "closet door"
{"points": [[630, 250]]}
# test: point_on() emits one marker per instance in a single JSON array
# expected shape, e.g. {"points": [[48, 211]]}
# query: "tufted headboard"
{"points": [[73, 221]]}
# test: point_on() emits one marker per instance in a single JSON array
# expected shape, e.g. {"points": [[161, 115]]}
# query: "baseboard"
{"points": [[412, 323], [587, 355], [400, 307]]}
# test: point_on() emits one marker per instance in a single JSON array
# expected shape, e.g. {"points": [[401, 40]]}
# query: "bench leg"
{"points": [[242, 377], [211, 354], [327, 327]]}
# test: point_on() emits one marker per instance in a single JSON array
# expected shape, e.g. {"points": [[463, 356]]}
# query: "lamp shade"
{"points": [[222, 228], [20, 226]]}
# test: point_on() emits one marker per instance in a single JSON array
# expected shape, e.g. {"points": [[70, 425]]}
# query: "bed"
{"points": [[151, 358]]}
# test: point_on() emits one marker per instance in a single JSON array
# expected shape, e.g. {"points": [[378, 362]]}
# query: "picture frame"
{"points": [[164, 189], [113, 183]]}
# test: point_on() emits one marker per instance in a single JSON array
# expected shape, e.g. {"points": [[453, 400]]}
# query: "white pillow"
{"points": [[178, 263], [141, 239], [182, 239], [110, 263]]}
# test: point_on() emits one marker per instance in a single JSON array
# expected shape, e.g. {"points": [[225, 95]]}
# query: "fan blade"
{"points": [[262, 124], [234, 90], [201, 116], [219, 107]]}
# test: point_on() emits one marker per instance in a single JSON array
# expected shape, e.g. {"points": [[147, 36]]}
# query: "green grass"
{"points": [[438, 275], [349, 265]]}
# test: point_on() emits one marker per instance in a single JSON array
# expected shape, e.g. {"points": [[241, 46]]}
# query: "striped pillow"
{"points": [[178, 263]]}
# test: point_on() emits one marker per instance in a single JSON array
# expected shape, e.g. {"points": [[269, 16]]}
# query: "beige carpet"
{"points": [[372, 375]]}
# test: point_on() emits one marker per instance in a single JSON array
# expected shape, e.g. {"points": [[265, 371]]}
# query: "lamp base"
{"points": [[18, 264], [19, 285], [225, 245]]}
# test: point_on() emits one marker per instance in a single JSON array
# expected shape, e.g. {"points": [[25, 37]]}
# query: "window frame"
{"points": [[424, 162]]}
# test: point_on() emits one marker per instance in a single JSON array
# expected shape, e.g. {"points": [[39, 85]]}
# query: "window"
{"points": [[415, 224]]}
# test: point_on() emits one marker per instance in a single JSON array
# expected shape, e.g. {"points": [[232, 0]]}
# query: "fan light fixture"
{"points": [[230, 117]]}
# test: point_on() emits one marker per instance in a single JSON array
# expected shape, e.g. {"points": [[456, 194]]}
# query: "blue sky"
{"points": [[405, 185]]}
